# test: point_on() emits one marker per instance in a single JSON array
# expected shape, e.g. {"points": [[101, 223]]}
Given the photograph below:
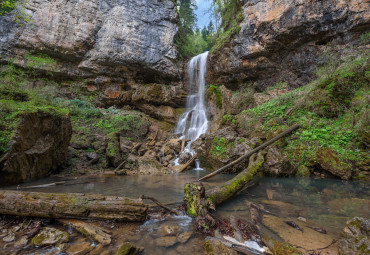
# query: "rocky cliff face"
{"points": [[281, 40], [39, 146], [125, 39]]}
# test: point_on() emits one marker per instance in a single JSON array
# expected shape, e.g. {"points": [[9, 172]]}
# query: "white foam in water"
{"points": [[193, 123]]}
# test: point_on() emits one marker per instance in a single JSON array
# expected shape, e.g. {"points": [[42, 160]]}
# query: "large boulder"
{"points": [[282, 40], [356, 237], [38, 148], [222, 147], [277, 163], [122, 39], [330, 161]]}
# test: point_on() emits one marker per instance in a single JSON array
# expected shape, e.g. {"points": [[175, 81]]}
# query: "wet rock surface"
{"points": [[281, 40], [39, 147], [356, 237]]}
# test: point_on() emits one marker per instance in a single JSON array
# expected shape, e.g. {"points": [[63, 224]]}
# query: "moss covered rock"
{"points": [[50, 236], [330, 161], [356, 237], [113, 153], [38, 148]]}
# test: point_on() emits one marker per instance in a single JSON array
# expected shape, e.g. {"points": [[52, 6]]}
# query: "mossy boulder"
{"points": [[331, 162], [50, 236], [277, 163], [303, 171], [222, 147], [113, 152], [356, 237]]}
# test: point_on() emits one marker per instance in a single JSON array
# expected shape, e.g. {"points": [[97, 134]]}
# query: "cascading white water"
{"points": [[194, 122]]}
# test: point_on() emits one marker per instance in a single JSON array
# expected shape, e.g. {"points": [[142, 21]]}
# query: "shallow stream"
{"points": [[324, 203]]}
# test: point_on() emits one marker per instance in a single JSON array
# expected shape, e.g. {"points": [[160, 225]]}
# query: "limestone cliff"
{"points": [[126, 39], [281, 40]]}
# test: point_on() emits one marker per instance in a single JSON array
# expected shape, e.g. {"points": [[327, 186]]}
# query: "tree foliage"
{"points": [[18, 6], [190, 40]]}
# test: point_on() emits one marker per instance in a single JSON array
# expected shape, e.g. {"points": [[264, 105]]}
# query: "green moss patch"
{"points": [[213, 90]]}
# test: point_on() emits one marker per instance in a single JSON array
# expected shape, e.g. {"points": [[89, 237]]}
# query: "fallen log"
{"points": [[230, 188], [198, 201], [71, 205], [180, 168], [281, 135], [119, 166], [152, 142], [159, 204], [43, 185], [182, 145]]}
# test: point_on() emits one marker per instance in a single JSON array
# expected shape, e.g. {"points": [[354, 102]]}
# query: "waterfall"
{"points": [[194, 122]]}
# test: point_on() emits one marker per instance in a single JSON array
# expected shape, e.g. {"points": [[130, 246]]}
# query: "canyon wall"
{"points": [[283, 40], [126, 39]]}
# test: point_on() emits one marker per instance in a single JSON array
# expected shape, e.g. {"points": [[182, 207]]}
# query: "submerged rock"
{"points": [[129, 249], [356, 238], [168, 230], [38, 148], [166, 241], [80, 248], [304, 237], [216, 247]]}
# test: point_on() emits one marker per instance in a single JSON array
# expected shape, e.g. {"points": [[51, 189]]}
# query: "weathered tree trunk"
{"points": [[198, 201], [71, 205], [227, 190]]}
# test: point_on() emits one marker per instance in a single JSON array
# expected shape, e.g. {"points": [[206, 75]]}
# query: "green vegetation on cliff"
{"points": [[332, 111], [28, 89], [18, 96], [20, 15], [231, 15]]}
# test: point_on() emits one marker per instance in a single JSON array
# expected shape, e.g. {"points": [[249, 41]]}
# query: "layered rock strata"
{"points": [[283, 40], [109, 38]]}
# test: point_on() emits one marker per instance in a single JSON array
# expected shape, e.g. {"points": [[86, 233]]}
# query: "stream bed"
{"points": [[324, 203]]}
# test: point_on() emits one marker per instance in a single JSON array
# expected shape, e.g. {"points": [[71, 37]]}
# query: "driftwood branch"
{"points": [[288, 131], [182, 145], [159, 204], [119, 166], [152, 142], [180, 168], [71, 205], [43, 185]]}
